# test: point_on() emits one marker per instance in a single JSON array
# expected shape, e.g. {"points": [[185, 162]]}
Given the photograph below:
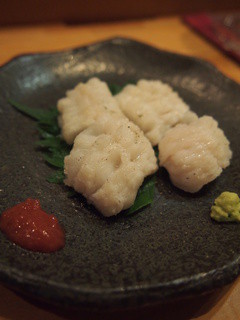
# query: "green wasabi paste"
{"points": [[226, 208]]}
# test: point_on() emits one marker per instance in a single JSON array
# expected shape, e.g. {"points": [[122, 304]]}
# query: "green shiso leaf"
{"points": [[156, 151], [55, 149], [115, 88], [50, 142], [54, 159], [44, 134], [44, 116], [145, 194], [57, 177]]}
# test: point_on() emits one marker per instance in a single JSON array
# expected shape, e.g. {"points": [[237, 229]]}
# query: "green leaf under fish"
{"points": [[57, 177], [145, 194], [55, 149]]}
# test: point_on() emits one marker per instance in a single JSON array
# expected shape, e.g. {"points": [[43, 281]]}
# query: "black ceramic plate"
{"points": [[167, 250]]}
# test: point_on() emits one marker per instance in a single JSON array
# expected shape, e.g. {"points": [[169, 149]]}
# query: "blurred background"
{"points": [[84, 11], [33, 26]]}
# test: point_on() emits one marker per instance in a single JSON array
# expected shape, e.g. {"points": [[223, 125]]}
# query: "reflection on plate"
{"points": [[168, 249]]}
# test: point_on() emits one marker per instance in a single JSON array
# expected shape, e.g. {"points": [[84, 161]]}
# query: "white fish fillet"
{"points": [[194, 154], [83, 105], [108, 164], [154, 107]]}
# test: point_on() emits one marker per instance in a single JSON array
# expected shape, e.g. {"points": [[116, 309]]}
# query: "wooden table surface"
{"points": [[165, 33]]}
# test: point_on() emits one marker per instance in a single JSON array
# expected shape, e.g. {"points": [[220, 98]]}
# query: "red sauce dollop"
{"points": [[27, 225]]}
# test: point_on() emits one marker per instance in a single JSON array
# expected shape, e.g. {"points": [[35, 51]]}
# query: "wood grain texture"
{"points": [[166, 33]]}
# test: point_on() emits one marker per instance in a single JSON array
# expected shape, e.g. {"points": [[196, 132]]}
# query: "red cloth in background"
{"points": [[221, 29]]}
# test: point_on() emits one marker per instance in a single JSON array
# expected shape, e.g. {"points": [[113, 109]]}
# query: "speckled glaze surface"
{"points": [[167, 250]]}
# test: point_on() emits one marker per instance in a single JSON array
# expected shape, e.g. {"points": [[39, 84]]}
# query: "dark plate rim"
{"points": [[118, 297], [119, 40], [60, 294]]}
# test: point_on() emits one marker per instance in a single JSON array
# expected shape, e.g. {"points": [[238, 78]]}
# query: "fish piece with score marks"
{"points": [[194, 154], [83, 105], [108, 164], [154, 107]]}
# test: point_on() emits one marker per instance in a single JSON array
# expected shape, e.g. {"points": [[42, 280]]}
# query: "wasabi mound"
{"points": [[226, 208]]}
